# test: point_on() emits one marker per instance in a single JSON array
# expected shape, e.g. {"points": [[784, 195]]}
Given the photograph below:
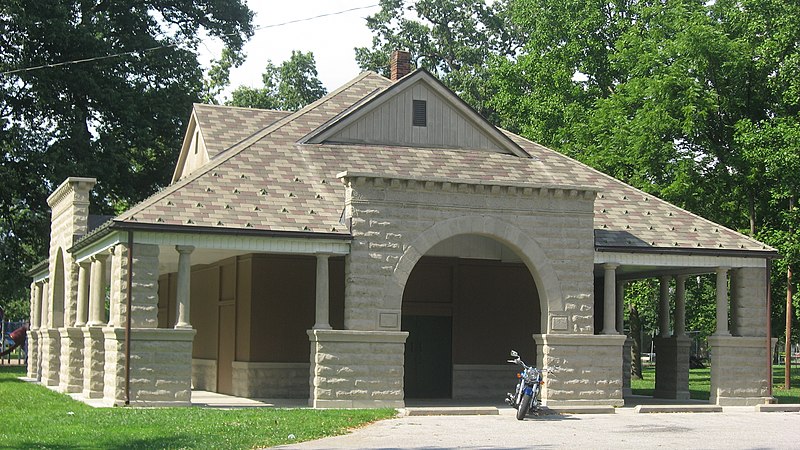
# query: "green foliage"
{"points": [[36, 417], [119, 119], [454, 39], [697, 102], [287, 87]]}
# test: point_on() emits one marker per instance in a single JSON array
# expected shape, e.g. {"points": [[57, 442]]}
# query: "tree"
{"points": [[454, 39], [117, 117], [287, 87]]}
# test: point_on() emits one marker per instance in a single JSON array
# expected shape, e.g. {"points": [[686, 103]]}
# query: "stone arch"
{"points": [[532, 255], [58, 292]]}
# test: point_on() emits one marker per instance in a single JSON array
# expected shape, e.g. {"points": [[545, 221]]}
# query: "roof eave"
{"points": [[767, 254]]}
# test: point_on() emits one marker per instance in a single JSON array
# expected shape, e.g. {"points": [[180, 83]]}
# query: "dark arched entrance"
{"points": [[465, 305]]}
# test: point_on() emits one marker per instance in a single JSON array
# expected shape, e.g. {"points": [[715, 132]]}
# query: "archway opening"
{"points": [[467, 302]]}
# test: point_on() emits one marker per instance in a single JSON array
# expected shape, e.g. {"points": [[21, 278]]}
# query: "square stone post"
{"points": [[672, 351], [585, 369], [371, 360], [739, 369], [672, 367]]}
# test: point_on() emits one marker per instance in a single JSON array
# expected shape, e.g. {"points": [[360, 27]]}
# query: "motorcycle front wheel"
{"points": [[524, 405]]}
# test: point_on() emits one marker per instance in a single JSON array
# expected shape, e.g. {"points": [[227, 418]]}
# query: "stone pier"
{"points": [[72, 365], [357, 369], [672, 367]]}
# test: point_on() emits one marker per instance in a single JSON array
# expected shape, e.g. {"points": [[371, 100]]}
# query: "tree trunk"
{"points": [[787, 359], [635, 331]]}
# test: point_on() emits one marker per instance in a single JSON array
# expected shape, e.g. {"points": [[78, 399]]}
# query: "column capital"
{"points": [[722, 269], [610, 266], [184, 248], [681, 278], [101, 257]]}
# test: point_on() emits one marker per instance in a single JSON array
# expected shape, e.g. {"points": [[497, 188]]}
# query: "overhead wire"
{"points": [[160, 47]]}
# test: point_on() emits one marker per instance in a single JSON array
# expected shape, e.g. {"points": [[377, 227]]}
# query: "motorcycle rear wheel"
{"points": [[524, 405]]}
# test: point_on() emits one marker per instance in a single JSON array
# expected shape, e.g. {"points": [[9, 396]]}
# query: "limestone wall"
{"points": [[739, 370], [144, 297], [270, 380], [484, 380], [583, 370], [748, 302], [352, 369], [160, 371], [394, 222]]}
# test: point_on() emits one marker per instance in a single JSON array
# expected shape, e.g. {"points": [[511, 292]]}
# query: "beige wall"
{"points": [[274, 301], [283, 305]]}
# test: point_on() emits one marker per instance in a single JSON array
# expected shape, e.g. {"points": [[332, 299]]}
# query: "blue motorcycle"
{"points": [[527, 397]]}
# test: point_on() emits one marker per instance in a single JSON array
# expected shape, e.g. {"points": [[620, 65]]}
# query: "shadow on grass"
{"points": [[180, 441]]}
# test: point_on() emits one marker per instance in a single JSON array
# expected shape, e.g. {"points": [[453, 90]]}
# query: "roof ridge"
{"points": [[246, 108], [229, 153], [657, 198]]}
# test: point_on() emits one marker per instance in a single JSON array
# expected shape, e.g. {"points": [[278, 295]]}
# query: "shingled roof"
{"points": [[261, 178]]}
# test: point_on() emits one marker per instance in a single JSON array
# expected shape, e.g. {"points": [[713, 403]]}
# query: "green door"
{"points": [[428, 359]]}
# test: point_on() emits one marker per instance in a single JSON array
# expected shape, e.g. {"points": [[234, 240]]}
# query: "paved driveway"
{"points": [[735, 428]]}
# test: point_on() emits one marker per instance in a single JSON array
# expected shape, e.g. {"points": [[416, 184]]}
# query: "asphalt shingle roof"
{"points": [[261, 178]]}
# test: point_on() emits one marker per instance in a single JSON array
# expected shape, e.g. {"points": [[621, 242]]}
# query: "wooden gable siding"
{"points": [[391, 124]]}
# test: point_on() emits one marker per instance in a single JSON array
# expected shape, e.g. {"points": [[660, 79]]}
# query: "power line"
{"points": [[147, 50]]}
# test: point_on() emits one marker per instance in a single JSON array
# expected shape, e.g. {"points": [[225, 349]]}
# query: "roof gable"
{"points": [[417, 111], [213, 129]]}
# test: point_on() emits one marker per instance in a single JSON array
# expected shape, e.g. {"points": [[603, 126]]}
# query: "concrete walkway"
{"points": [[734, 428]]}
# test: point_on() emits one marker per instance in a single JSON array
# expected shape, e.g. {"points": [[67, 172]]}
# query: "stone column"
{"points": [[323, 295], [97, 292], [680, 306], [621, 307], [184, 283], [83, 295], [722, 302], [663, 307], [44, 314], [609, 299]]}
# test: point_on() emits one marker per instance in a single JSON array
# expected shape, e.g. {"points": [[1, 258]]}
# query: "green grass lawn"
{"points": [[35, 417], [700, 384]]}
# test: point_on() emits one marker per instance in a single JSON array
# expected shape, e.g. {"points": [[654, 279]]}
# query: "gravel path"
{"points": [[735, 428]]}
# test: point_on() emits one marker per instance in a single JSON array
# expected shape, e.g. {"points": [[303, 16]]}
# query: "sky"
{"points": [[331, 39]]}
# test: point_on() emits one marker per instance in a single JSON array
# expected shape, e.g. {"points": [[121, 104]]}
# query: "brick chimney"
{"points": [[400, 64]]}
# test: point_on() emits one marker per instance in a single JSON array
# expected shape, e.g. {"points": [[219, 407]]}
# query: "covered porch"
{"points": [[740, 346]]}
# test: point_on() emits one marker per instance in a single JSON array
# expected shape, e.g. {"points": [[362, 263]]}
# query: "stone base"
{"points": [[33, 354], [627, 360], [739, 371], [672, 367], [204, 374], [71, 377], [160, 367], [94, 361], [51, 357], [357, 369], [270, 379], [582, 369], [492, 381]]}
